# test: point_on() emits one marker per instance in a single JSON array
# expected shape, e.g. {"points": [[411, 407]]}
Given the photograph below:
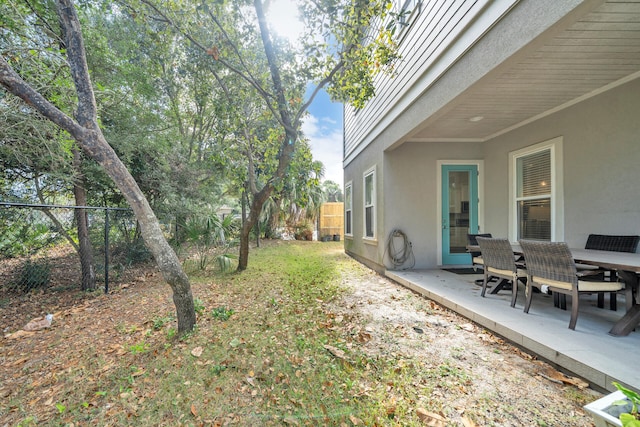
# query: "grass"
{"points": [[262, 362], [259, 356]]}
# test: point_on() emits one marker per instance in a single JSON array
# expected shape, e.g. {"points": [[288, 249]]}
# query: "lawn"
{"points": [[274, 345]]}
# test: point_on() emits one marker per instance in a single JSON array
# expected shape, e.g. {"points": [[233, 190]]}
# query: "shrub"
{"points": [[34, 274]]}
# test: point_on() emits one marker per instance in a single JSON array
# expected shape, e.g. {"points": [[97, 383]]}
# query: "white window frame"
{"points": [[557, 194], [404, 22], [348, 207], [369, 172]]}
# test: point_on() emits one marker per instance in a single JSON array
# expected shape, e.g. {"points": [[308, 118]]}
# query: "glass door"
{"points": [[459, 211]]}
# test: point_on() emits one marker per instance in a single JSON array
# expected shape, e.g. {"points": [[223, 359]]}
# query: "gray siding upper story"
{"points": [[513, 61], [439, 32]]}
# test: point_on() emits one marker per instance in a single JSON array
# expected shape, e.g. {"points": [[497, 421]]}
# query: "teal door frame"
{"points": [[459, 211]]}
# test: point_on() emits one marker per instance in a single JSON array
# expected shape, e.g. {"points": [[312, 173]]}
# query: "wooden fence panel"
{"points": [[331, 220]]}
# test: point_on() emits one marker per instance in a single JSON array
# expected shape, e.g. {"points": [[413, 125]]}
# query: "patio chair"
{"points": [[476, 256], [499, 262], [551, 264], [614, 243]]}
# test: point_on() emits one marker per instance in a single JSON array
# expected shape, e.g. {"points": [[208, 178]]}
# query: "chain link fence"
{"points": [[39, 246]]}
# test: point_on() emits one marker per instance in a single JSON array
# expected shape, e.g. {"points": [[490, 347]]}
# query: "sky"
{"points": [[323, 124]]}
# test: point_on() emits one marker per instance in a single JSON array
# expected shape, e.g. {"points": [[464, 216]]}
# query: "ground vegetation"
{"points": [[305, 336]]}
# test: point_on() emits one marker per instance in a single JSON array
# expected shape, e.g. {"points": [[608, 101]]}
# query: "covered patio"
{"points": [[588, 352]]}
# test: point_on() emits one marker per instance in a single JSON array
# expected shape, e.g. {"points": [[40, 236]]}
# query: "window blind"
{"points": [[534, 171]]}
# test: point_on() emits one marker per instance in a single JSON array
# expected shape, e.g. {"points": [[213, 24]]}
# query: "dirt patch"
{"points": [[512, 387]]}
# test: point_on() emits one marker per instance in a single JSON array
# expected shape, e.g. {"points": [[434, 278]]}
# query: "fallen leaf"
{"points": [[364, 337], [197, 352], [194, 411], [335, 352], [466, 422], [556, 376], [290, 420], [356, 421], [431, 419], [138, 373], [18, 334]]}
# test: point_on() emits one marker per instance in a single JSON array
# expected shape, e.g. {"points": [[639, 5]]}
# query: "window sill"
{"points": [[370, 240]]}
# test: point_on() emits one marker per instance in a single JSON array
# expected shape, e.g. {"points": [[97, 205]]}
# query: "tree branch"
{"points": [[87, 110], [17, 86]]}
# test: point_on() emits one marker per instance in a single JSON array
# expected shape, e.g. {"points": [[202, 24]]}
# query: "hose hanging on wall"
{"points": [[399, 253]]}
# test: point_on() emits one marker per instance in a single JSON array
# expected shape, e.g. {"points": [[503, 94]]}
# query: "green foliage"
{"points": [[210, 234], [24, 232], [139, 348], [160, 322], [34, 274], [332, 191], [629, 419], [224, 262], [222, 313], [199, 306]]}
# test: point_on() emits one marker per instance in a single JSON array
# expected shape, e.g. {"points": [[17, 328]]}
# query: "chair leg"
{"points": [[613, 301], [560, 300], [629, 300], [528, 290], [574, 310], [600, 299], [514, 292], [484, 283]]}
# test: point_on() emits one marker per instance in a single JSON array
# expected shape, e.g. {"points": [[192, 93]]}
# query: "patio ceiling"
{"points": [[597, 52]]}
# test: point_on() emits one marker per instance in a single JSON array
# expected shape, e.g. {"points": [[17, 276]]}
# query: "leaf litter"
{"points": [[480, 378]]}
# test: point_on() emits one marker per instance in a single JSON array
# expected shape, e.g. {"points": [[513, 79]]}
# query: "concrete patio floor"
{"points": [[588, 351]]}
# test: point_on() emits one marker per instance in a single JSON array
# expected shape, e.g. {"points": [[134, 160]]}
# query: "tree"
{"points": [[85, 130], [332, 191], [362, 45], [33, 149]]}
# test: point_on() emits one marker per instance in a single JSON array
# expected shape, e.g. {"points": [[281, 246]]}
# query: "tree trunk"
{"points": [[254, 213], [89, 137], [85, 250]]}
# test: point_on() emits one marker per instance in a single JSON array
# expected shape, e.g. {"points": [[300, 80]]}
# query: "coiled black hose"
{"points": [[399, 255]]}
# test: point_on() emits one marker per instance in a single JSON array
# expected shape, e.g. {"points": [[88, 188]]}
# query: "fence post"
{"points": [[106, 250]]}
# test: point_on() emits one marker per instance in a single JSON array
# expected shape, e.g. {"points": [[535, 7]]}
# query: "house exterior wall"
{"points": [[469, 39], [601, 171], [412, 192], [600, 151], [601, 165], [366, 251]]}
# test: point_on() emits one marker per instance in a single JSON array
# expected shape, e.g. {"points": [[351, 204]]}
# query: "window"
{"points": [[406, 10], [369, 204], [348, 211], [536, 202]]}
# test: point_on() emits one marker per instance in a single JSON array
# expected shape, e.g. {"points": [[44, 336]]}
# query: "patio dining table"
{"points": [[628, 267]]}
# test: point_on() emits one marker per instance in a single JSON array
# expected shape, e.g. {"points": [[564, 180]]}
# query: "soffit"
{"points": [[596, 52]]}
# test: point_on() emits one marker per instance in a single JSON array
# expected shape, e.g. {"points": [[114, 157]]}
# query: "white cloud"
{"points": [[326, 145]]}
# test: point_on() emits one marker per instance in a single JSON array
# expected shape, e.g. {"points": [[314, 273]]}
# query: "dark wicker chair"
{"points": [[614, 243], [603, 242], [476, 257], [551, 264], [499, 262]]}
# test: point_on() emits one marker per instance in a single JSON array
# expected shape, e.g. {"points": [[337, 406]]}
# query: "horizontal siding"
{"points": [[438, 25]]}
